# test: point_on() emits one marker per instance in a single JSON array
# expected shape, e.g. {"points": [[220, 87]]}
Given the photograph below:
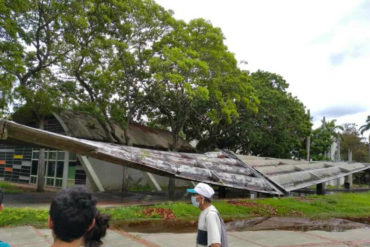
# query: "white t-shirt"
{"points": [[209, 225]]}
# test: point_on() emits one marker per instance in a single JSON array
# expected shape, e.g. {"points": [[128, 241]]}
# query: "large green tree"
{"points": [[352, 144], [279, 127], [31, 43], [31, 46], [364, 128], [198, 84], [108, 71]]}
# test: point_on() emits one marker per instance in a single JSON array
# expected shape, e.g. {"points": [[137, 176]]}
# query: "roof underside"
{"points": [[273, 176]]}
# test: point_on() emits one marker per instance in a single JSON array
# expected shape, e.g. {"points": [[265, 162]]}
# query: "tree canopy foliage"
{"points": [[352, 143], [322, 139], [126, 61]]}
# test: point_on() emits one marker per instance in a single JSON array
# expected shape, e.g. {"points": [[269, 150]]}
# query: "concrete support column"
{"points": [[125, 183], [65, 170], [171, 188], [252, 194], [338, 183], [308, 143], [320, 189], [348, 182], [349, 155], [90, 173], [337, 158]]}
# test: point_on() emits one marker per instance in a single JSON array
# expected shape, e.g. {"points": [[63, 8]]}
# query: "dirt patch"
{"points": [[293, 224], [164, 213], [253, 224], [156, 226], [257, 209], [363, 220]]}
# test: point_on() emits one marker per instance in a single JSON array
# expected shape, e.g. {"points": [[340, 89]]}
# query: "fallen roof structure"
{"points": [[215, 168], [267, 175], [293, 175]]}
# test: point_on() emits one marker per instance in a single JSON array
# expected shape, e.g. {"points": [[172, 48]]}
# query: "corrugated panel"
{"points": [[293, 175]]}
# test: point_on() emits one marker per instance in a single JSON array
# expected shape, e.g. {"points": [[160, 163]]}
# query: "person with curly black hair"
{"points": [[72, 214], [93, 238]]}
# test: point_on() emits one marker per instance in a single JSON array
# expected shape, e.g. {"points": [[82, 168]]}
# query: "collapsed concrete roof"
{"points": [[214, 168], [273, 176], [297, 174]]}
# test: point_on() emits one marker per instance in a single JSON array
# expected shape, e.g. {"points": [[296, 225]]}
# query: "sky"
{"points": [[321, 48]]}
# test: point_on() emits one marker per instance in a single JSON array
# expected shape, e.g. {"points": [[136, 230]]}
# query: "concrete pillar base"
{"points": [[320, 189]]}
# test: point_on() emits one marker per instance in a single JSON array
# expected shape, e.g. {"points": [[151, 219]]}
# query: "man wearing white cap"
{"points": [[211, 228]]}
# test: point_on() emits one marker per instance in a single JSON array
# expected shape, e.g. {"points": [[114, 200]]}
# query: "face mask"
{"points": [[194, 201]]}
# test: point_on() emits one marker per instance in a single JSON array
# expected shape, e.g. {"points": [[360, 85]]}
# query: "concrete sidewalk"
{"points": [[28, 236]]}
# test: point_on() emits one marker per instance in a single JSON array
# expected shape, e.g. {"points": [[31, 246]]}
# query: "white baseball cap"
{"points": [[202, 189]]}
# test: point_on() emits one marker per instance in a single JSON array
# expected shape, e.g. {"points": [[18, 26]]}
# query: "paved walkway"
{"points": [[28, 236]]}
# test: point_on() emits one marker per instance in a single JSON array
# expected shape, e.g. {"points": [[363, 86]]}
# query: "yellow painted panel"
{"points": [[18, 156]]}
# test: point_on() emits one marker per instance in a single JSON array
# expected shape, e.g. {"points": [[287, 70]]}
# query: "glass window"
{"points": [[58, 182], [35, 155], [72, 163], [60, 155], [72, 156], [52, 156], [50, 181], [51, 169], [60, 166], [80, 177], [33, 180], [34, 167]]}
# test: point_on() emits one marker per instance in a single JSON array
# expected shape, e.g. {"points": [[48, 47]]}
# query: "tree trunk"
{"points": [[41, 165], [338, 149], [175, 140]]}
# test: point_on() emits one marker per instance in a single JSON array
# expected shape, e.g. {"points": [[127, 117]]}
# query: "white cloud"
{"points": [[322, 48]]}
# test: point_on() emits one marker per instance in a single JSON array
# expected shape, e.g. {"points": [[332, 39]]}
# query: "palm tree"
{"points": [[334, 131], [364, 128]]}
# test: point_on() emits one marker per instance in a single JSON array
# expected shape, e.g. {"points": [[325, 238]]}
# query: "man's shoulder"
{"points": [[212, 210], [2, 244], [212, 213]]}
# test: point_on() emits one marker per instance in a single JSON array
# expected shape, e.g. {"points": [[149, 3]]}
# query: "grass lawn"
{"points": [[354, 205], [10, 188]]}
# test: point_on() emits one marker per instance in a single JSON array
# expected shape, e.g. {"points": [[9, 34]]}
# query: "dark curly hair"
{"points": [[72, 211], [93, 237]]}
